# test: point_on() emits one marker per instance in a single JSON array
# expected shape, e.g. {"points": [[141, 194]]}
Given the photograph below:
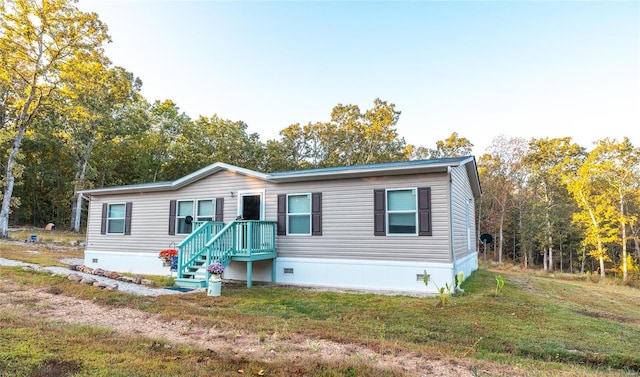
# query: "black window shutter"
{"points": [[282, 215], [127, 218], [103, 225], [379, 213], [219, 210], [316, 214], [172, 217], [424, 211]]}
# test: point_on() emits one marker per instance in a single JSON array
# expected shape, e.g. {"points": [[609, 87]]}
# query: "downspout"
{"points": [[451, 232]]}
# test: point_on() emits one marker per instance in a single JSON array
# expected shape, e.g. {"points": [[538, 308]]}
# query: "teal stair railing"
{"points": [[193, 246], [241, 240]]}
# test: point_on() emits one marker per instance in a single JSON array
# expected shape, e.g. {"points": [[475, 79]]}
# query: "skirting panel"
{"points": [[135, 263], [348, 274], [363, 274]]}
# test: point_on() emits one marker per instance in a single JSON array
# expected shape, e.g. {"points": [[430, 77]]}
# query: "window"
{"points": [[184, 217], [182, 213], [299, 214], [206, 210], [402, 212], [115, 219]]}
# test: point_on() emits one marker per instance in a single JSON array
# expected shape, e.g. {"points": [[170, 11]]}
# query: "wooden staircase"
{"points": [[240, 240]]}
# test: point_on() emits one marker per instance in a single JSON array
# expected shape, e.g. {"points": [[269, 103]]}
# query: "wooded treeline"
{"points": [[70, 120]]}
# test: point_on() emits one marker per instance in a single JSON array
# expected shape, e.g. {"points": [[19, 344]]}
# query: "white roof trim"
{"points": [[303, 175]]}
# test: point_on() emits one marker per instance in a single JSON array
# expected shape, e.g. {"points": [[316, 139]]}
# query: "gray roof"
{"points": [[354, 171]]}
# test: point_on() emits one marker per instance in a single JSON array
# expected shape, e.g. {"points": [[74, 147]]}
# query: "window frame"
{"points": [[197, 216], [389, 212], [178, 217], [308, 215], [123, 219]]}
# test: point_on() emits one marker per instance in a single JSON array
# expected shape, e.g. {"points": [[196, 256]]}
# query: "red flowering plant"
{"points": [[167, 254]]}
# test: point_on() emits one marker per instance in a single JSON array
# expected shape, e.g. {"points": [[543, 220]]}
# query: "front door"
{"points": [[250, 206]]}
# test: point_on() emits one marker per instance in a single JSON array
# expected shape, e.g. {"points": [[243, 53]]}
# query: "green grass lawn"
{"points": [[542, 325]]}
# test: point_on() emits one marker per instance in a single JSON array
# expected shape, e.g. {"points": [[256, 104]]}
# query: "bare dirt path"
{"points": [[291, 348]]}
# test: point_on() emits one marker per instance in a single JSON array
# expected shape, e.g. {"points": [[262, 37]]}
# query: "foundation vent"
{"points": [[288, 270], [420, 277], [94, 260]]}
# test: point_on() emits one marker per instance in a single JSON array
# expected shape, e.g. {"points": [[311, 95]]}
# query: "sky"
{"points": [[527, 69]]}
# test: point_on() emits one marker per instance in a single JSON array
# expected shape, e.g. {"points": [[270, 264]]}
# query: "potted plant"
{"points": [[167, 256], [214, 286]]}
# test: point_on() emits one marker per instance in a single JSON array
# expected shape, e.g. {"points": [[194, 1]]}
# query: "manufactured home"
{"points": [[364, 227]]}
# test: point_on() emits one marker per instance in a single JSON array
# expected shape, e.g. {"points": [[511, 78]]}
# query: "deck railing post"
{"points": [[250, 238]]}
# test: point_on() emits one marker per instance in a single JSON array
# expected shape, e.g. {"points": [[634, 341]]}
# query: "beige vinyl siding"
{"points": [[461, 193], [347, 217], [150, 213], [348, 221]]}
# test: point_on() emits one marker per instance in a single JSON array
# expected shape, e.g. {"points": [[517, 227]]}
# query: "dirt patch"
{"points": [[613, 317], [55, 307]]}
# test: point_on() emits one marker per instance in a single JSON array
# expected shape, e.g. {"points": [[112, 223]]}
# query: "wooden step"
{"points": [[190, 283]]}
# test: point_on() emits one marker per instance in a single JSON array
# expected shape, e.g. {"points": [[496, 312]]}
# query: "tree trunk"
{"points": [[561, 269], [73, 213], [544, 259], [501, 237], [623, 228], [23, 121], [636, 240], [79, 184], [570, 259], [599, 243], [10, 182], [584, 259], [8, 192], [550, 240], [78, 216]]}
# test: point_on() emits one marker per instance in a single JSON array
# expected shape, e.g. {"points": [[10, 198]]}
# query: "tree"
{"points": [[453, 146], [37, 39], [596, 214], [284, 154], [167, 123], [501, 170], [612, 168], [350, 138], [417, 153], [369, 137], [549, 162], [212, 139], [95, 103]]}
